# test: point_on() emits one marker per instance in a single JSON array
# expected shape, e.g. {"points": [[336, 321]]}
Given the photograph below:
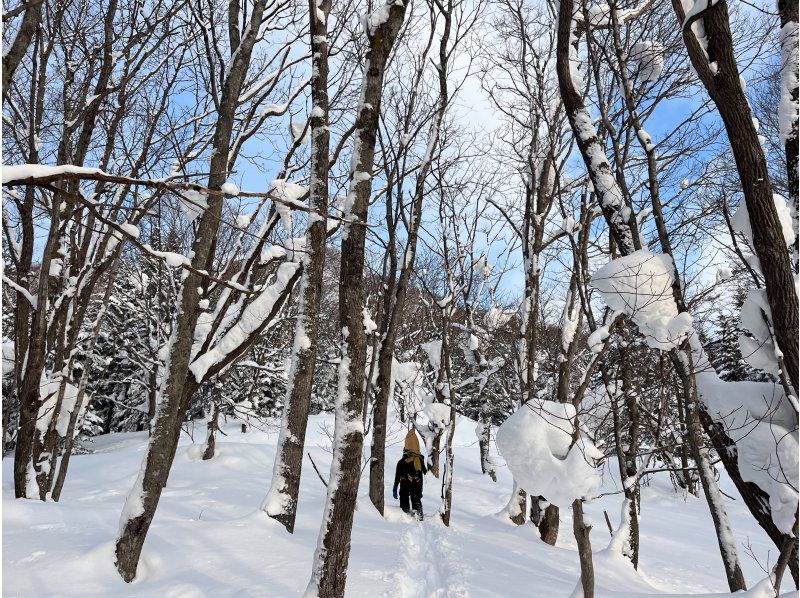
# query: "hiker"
{"points": [[409, 475]]}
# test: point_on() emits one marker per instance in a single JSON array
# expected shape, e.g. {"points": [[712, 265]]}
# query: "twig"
{"points": [[314, 465], [608, 523]]}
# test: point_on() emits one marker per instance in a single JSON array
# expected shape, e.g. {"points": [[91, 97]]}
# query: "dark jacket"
{"points": [[407, 476]]}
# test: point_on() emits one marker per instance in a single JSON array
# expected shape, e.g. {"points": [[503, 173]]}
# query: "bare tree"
{"points": [[329, 572]]}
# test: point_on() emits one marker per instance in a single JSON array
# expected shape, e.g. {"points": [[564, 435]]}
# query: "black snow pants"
{"points": [[411, 498]]}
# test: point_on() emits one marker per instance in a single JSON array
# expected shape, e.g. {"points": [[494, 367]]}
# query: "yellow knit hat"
{"points": [[411, 442]]}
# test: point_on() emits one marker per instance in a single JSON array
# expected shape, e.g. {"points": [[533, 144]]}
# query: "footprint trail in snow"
{"points": [[427, 565]]}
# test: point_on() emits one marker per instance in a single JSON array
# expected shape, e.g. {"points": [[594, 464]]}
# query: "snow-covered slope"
{"points": [[210, 539]]}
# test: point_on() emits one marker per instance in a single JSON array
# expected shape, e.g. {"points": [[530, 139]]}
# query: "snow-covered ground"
{"points": [[210, 539]]}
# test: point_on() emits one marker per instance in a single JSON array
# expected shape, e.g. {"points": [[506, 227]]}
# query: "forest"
{"points": [[543, 252]]}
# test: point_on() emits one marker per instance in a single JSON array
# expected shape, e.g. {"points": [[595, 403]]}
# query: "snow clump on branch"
{"points": [[537, 444], [640, 285]]}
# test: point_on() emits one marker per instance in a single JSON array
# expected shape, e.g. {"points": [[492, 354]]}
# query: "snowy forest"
{"points": [[532, 263]]}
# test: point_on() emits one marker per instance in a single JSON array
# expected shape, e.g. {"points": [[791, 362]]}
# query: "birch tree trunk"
{"points": [[212, 425], [329, 572]]}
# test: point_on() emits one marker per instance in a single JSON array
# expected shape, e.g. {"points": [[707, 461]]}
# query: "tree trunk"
{"points": [[702, 459], [788, 11], [19, 46], [546, 518], [30, 391], [517, 505], [484, 443], [723, 85], [281, 501], [329, 573], [581, 531], [447, 480], [398, 300], [212, 426], [624, 232], [757, 500], [141, 503]]}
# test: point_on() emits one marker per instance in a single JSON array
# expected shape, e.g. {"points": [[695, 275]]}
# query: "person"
{"points": [[409, 475]]}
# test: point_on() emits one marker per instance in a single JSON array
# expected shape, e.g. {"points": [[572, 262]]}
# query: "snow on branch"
{"points": [[600, 14], [760, 419], [253, 317], [539, 445], [640, 285]]}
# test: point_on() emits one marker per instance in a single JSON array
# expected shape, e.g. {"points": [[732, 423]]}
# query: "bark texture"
{"points": [[16, 51], [581, 531], [723, 85]]}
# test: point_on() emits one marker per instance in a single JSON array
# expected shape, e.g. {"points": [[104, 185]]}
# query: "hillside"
{"points": [[210, 539]]}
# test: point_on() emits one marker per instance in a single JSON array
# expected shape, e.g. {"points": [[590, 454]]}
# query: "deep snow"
{"points": [[210, 539]]}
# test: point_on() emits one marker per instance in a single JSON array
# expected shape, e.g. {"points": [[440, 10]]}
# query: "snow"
{"points": [[56, 266], [377, 18], [129, 229], [597, 339], [434, 351], [291, 193], [482, 267], [298, 128], [369, 324], [786, 216], [537, 444], [21, 172], [599, 14], [8, 357], [758, 350], [787, 107], [230, 188], [252, 317], [438, 415], [192, 203], [649, 59], [724, 273], [209, 537], [173, 260], [762, 422], [244, 220], [49, 395], [645, 140], [569, 325], [640, 285]]}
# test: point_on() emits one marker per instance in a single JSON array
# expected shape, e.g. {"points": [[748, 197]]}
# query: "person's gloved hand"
{"points": [[394, 493]]}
